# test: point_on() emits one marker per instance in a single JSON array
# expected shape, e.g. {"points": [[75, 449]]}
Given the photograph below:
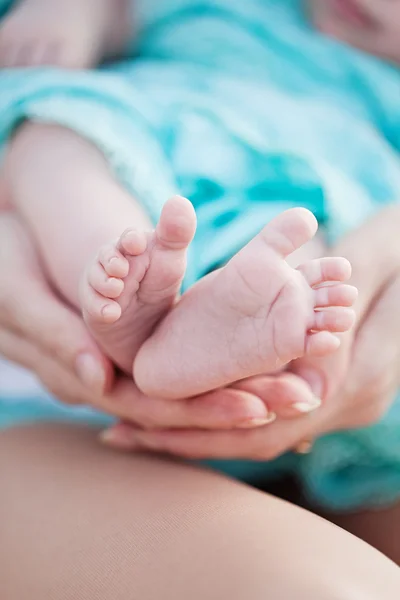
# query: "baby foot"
{"points": [[134, 282], [253, 316], [63, 33]]}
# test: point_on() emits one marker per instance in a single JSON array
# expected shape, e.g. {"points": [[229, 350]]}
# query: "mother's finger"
{"points": [[56, 379], [326, 374], [54, 328], [220, 409], [260, 443], [375, 372], [237, 407], [285, 394], [263, 443]]}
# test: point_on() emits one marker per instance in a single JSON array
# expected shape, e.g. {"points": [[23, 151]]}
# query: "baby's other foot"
{"points": [[252, 317], [73, 34], [134, 282]]}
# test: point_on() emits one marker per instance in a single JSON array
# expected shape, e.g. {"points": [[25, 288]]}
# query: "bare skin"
{"points": [[134, 282], [47, 337], [357, 384], [58, 181], [45, 334], [228, 306], [82, 522], [73, 34], [380, 528]]}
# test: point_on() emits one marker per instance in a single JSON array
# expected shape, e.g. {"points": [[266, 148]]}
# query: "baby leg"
{"points": [[64, 190], [64, 33]]}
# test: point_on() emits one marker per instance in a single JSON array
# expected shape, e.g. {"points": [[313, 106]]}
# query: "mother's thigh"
{"points": [[380, 528], [78, 521]]}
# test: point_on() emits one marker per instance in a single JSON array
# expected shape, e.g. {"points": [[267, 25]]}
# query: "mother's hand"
{"points": [[37, 330], [358, 384], [369, 390], [41, 333]]}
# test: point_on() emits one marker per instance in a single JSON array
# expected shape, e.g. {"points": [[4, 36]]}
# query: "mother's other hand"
{"points": [[37, 330]]}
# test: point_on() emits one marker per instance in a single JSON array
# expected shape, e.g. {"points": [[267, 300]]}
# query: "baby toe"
{"points": [[110, 287], [321, 343], [177, 224], [132, 242], [112, 261], [335, 295], [97, 308], [335, 319], [325, 269]]}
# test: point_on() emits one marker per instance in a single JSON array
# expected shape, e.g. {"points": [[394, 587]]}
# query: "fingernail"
{"points": [[108, 437], [307, 407], [90, 372], [258, 421], [304, 447], [314, 380], [117, 438]]}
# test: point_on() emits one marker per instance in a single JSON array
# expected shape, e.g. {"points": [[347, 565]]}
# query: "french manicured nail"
{"points": [[109, 437], [117, 438], [258, 421], [307, 407], [90, 372]]}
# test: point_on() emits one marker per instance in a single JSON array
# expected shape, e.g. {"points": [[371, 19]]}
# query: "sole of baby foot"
{"points": [[253, 316], [134, 282], [73, 34]]}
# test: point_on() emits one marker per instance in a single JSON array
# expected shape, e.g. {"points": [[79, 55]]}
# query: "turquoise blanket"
{"points": [[246, 110]]}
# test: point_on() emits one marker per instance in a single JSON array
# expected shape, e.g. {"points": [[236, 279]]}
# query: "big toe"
{"points": [[177, 224], [290, 230]]}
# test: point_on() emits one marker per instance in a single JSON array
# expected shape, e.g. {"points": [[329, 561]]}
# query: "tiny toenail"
{"points": [[130, 235], [307, 407], [108, 311]]}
